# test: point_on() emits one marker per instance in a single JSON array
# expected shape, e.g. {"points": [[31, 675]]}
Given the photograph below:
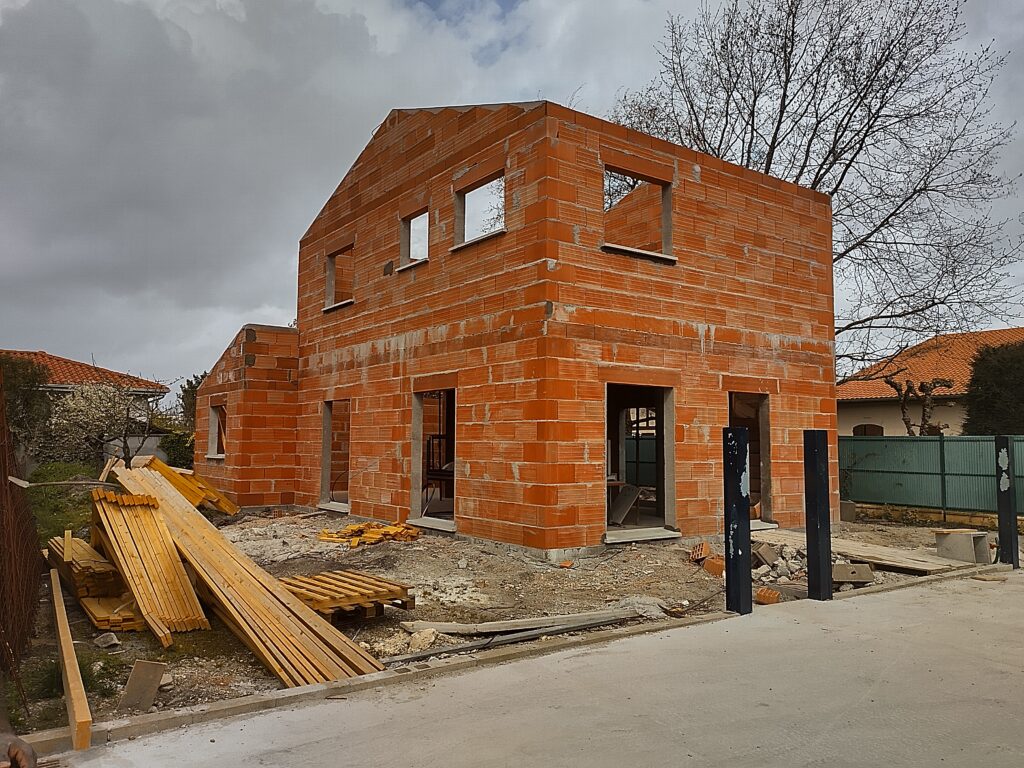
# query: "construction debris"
{"points": [[142, 686], [370, 533], [348, 591], [700, 552], [138, 542], [106, 640], [293, 641], [517, 625], [767, 596], [714, 565], [852, 573]]}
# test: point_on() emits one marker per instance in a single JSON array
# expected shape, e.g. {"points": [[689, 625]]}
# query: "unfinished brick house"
{"points": [[529, 325]]}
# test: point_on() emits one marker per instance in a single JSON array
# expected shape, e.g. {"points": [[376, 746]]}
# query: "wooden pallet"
{"points": [[133, 534], [349, 592], [903, 560], [293, 641], [84, 571]]}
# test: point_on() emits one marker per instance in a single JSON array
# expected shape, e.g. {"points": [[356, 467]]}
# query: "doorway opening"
{"points": [[752, 411], [335, 464], [433, 459], [639, 461]]}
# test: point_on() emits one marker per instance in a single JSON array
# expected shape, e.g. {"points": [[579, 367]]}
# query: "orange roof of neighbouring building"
{"points": [[69, 373], [947, 356]]}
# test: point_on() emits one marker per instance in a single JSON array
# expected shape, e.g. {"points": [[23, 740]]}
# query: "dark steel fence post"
{"points": [[817, 509], [738, 596], [942, 472], [1006, 502]]}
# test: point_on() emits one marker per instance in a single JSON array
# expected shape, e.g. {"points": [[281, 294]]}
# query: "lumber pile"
{"points": [[291, 639], [197, 490], [133, 534], [350, 591], [370, 533], [113, 614], [84, 570]]}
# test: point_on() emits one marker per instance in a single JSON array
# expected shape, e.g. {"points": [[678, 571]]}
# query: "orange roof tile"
{"points": [[64, 372], [947, 356]]}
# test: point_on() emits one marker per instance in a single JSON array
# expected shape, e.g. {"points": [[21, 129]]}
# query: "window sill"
{"points": [[410, 265], [216, 456], [628, 251], [475, 240], [339, 305]]}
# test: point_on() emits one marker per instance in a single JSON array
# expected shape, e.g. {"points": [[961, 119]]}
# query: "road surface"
{"points": [[925, 676]]}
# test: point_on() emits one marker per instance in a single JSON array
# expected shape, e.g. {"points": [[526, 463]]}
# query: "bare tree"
{"points": [[922, 393], [875, 103]]}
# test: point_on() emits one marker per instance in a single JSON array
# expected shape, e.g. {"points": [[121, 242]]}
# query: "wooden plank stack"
{"points": [[197, 490], [370, 533], [349, 591], [133, 534], [113, 614], [84, 570], [291, 639]]}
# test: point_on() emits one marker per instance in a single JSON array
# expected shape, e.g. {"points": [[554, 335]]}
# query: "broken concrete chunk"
{"points": [[463, 563], [846, 587], [761, 572], [764, 553], [420, 641], [166, 682], [106, 640], [852, 573]]}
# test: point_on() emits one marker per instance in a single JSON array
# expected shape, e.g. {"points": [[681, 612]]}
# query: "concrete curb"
{"points": [[58, 740]]}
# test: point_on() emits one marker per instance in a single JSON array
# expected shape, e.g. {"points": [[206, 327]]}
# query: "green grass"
{"points": [[59, 508]]}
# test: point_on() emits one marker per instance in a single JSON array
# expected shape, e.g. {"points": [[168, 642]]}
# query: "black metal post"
{"points": [[816, 508], [738, 597], [1006, 502]]}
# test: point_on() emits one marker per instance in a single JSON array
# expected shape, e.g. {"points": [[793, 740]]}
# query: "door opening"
{"points": [[638, 460], [752, 411], [335, 461], [433, 471]]}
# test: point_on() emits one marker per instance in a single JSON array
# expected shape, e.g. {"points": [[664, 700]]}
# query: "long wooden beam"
{"points": [[79, 716]]}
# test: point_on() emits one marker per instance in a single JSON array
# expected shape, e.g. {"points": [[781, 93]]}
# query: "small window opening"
{"points": [[868, 430], [637, 213], [480, 211], [218, 430], [415, 238], [339, 277]]}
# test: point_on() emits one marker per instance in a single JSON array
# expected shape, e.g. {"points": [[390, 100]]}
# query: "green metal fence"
{"points": [[955, 473]]}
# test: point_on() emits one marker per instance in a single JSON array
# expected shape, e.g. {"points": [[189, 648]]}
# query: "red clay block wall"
{"points": [[256, 381], [531, 325]]}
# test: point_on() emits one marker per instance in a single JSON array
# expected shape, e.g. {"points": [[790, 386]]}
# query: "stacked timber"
{"points": [[84, 570], [291, 640], [133, 534], [113, 614], [197, 490], [370, 533]]}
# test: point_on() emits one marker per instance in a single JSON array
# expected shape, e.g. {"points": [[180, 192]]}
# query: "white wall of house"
{"points": [[887, 415], [151, 447]]}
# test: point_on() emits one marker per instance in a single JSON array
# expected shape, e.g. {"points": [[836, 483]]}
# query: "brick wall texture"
{"points": [[531, 324]]}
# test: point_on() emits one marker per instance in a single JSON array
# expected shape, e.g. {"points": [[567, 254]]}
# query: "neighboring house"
{"points": [[868, 406], [509, 368], [65, 375]]}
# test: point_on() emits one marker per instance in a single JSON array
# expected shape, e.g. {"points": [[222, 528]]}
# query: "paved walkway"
{"points": [[925, 676]]}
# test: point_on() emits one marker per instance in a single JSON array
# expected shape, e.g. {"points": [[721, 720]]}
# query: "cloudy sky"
{"points": [[159, 159]]}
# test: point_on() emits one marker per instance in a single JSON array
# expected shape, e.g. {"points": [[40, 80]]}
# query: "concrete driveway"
{"points": [[924, 676]]}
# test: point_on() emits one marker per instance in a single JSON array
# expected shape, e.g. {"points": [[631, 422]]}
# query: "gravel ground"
{"points": [[452, 579]]}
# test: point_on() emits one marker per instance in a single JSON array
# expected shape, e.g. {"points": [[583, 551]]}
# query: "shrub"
{"points": [[60, 507]]}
